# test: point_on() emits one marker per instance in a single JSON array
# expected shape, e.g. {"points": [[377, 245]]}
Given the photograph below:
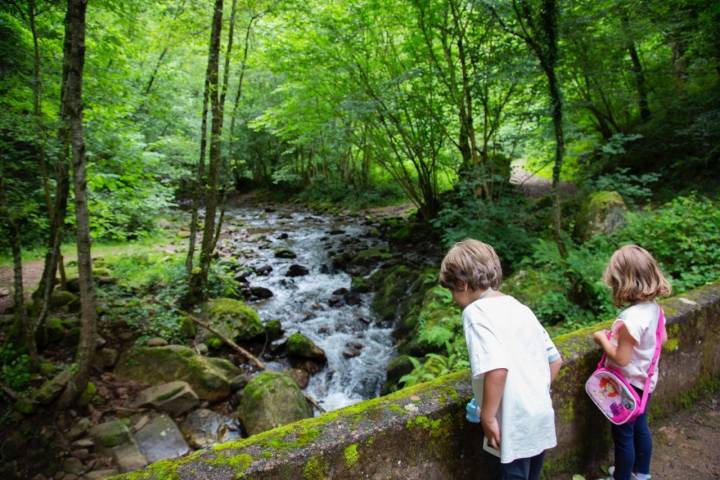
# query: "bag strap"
{"points": [[656, 357], [653, 363]]}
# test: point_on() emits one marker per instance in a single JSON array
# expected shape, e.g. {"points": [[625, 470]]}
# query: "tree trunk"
{"points": [[72, 115], [198, 281], [21, 315], [549, 20], [59, 210]]}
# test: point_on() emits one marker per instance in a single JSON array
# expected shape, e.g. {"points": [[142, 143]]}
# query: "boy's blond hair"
{"points": [[471, 263], [634, 276]]}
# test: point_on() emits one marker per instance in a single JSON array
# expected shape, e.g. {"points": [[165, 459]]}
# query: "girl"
{"points": [[635, 279]]}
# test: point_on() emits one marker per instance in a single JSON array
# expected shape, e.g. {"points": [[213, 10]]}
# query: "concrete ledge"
{"points": [[421, 432]]}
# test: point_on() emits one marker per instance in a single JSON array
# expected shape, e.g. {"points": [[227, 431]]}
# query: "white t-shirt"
{"points": [[503, 333], [641, 321]]}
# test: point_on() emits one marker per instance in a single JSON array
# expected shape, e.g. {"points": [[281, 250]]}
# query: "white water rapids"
{"points": [[301, 303]]}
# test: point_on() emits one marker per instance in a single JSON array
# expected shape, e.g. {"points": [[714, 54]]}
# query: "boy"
{"points": [[512, 358]]}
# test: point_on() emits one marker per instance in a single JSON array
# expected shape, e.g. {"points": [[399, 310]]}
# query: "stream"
{"points": [[306, 303]]}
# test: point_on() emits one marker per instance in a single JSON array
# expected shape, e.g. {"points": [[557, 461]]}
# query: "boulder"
{"points": [[208, 377], [601, 213], [301, 377], [63, 298], [263, 271], [174, 398], [285, 253], [53, 387], [296, 270], [273, 329], [99, 474], [396, 368], [157, 342], [271, 399], [106, 357], [161, 438], [232, 318], [260, 293], [204, 428], [299, 345], [110, 434], [128, 457]]}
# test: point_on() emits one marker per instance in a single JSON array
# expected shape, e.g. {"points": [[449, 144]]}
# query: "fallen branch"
{"points": [[237, 348], [258, 363]]}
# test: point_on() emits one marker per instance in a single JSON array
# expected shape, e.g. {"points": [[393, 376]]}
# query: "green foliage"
{"points": [[15, 370], [633, 188], [507, 223], [435, 365], [683, 235], [149, 286]]}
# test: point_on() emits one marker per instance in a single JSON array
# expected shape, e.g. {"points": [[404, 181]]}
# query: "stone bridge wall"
{"points": [[421, 433]]}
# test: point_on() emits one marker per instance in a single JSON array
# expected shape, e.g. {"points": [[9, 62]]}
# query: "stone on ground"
{"points": [[110, 434], [299, 345], [601, 213], [174, 398], [160, 438], [232, 318], [271, 399], [53, 387], [204, 428], [128, 457], [208, 377]]}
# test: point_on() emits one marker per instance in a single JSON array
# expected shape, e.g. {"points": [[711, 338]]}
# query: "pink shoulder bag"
{"points": [[611, 391]]}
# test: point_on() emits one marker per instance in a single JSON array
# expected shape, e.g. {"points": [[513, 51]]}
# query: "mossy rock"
{"points": [[88, 395], [53, 330], [102, 272], [111, 434], [530, 287], [269, 400], [53, 387], [601, 213], [298, 345], [188, 328], [395, 283], [63, 298], [396, 368], [273, 329], [208, 377], [232, 318]]}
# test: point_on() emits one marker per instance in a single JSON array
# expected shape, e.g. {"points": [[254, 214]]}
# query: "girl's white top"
{"points": [[503, 333], [641, 321]]}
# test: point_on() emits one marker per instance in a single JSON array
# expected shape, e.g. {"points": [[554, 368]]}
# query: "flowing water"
{"points": [[303, 303]]}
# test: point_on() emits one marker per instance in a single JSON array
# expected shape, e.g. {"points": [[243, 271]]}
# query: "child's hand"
{"points": [[492, 431], [599, 336]]}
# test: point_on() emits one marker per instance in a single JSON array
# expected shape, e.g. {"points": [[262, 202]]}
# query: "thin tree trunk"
{"points": [[199, 185], [73, 113], [640, 84], [198, 282], [155, 70], [21, 315], [549, 20], [59, 210]]}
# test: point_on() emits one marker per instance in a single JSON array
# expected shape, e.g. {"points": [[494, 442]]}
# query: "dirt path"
{"points": [[32, 271], [687, 445]]}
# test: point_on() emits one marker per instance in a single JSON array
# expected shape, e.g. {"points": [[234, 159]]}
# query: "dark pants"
{"points": [[633, 446], [523, 468]]}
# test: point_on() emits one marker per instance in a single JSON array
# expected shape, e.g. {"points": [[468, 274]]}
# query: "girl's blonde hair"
{"points": [[472, 263], [634, 276]]}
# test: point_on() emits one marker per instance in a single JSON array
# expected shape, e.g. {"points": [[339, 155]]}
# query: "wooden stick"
{"points": [[238, 348], [228, 341]]}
